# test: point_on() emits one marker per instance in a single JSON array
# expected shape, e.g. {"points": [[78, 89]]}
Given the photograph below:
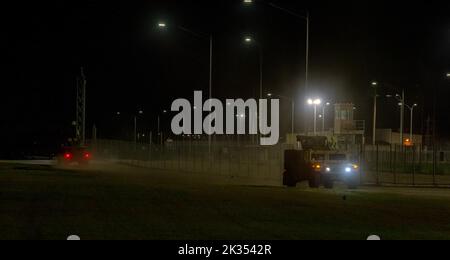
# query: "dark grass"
{"points": [[44, 203]]}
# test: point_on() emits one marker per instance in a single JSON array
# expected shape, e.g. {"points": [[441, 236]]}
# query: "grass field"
{"points": [[121, 202]]}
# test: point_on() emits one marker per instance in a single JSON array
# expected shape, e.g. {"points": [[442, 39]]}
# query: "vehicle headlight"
{"points": [[348, 169], [328, 169]]}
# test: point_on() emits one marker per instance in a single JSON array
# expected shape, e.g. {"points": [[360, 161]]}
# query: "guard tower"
{"points": [[347, 130]]}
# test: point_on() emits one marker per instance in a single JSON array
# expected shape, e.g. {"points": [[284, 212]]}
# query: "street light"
{"points": [[305, 18], [315, 102], [402, 102], [249, 40], [375, 99], [160, 135], [411, 134], [135, 122], [163, 25]]}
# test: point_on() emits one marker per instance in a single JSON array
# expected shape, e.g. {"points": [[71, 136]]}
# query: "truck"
{"points": [[318, 164]]}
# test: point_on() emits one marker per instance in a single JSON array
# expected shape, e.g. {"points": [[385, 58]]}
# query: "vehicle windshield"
{"points": [[318, 157], [338, 157]]}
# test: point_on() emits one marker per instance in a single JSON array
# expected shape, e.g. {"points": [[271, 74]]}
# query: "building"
{"points": [[387, 136]]}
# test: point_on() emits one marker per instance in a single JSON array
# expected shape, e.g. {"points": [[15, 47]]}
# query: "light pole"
{"points": [[163, 25], [160, 134], [375, 99], [402, 100], [305, 18], [411, 134], [292, 107], [315, 102], [250, 41]]}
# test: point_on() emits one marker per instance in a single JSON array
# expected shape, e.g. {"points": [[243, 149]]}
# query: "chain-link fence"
{"points": [[403, 165], [263, 165], [381, 164]]}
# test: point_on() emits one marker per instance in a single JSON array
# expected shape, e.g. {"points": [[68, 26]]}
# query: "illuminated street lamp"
{"points": [[411, 109], [315, 102], [163, 25], [160, 135], [307, 20], [249, 40], [375, 99]]}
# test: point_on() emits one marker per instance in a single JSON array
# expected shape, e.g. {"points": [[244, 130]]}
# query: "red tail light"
{"points": [[68, 156], [87, 155]]}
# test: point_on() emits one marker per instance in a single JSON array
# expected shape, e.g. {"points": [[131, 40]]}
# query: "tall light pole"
{"points": [[160, 134], [163, 25], [375, 99], [411, 134], [250, 41], [401, 98], [315, 102], [305, 18], [292, 107]]}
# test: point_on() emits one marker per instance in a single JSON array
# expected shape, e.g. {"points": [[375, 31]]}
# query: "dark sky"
{"points": [[131, 65]]}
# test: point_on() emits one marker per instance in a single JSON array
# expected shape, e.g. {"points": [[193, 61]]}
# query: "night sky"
{"points": [[131, 65]]}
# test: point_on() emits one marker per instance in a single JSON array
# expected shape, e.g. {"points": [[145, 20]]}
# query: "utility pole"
{"points": [[375, 100], [402, 117], [80, 127]]}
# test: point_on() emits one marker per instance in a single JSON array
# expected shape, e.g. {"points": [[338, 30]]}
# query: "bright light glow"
{"points": [[67, 155], [314, 102], [328, 169], [269, 95], [162, 25], [248, 39], [348, 169], [374, 83], [448, 75], [355, 166], [328, 103], [248, 1], [87, 156]]}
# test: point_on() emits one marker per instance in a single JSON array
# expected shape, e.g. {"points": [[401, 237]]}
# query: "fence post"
{"points": [[395, 164], [376, 162], [414, 164]]}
